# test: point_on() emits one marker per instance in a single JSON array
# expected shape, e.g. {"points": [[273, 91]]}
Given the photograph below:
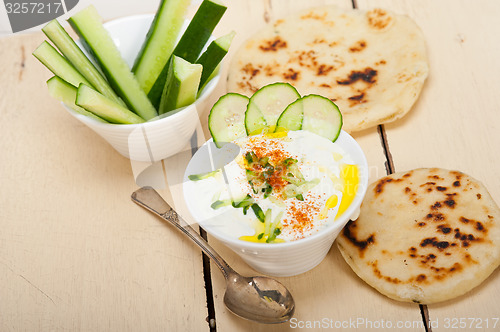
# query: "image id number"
{"points": [[33, 8], [470, 323]]}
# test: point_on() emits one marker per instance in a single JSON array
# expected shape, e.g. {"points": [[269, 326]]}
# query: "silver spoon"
{"points": [[259, 299]]}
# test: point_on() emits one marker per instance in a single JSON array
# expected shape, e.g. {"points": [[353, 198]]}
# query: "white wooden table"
{"points": [[77, 255]]}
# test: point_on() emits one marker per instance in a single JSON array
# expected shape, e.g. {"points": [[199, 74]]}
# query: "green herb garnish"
{"points": [[258, 212], [201, 176]]}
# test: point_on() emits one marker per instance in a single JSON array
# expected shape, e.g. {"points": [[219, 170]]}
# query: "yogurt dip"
{"points": [[281, 187]]}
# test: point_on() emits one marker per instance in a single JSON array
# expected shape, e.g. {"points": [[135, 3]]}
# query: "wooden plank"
{"points": [[75, 253], [331, 293], [456, 123]]}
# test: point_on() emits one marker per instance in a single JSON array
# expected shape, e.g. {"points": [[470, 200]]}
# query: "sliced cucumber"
{"points": [[104, 107], [58, 64], [181, 87], [96, 39], [192, 41], [321, 116], [74, 54], [254, 121], [266, 106], [226, 121], [160, 42], [214, 54], [64, 92], [292, 117]]}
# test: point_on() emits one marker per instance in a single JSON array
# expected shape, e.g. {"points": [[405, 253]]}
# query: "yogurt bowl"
{"points": [[296, 249], [162, 136]]}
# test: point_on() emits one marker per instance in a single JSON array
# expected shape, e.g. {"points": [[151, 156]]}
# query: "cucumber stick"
{"points": [[191, 43], [64, 92], [66, 45], [58, 64], [104, 107], [226, 120], [182, 84], [96, 39], [160, 42], [211, 58]]}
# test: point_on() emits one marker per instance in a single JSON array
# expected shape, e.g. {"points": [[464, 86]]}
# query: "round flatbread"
{"points": [[424, 236], [372, 64]]}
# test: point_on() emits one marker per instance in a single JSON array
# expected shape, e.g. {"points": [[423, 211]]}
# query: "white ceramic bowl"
{"points": [[290, 258], [156, 139]]}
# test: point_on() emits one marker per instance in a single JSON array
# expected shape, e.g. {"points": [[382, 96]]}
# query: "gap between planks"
{"points": [[390, 169], [207, 275]]}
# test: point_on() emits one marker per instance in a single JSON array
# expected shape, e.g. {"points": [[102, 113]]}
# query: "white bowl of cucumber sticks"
{"points": [[269, 157], [119, 81]]}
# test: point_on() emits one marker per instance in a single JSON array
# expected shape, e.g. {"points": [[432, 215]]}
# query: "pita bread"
{"points": [[372, 64], [424, 236]]}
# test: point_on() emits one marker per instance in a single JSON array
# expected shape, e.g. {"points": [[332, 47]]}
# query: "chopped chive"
{"points": [[268, 191], [258, 212], [259, 237], [272, 237], [300, 197], [218, 204], [250, 173], [248, 157], [244, 202], [201, 176]]}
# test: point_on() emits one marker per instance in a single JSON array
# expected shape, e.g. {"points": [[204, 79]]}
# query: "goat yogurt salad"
{"points": [[281, 187]]}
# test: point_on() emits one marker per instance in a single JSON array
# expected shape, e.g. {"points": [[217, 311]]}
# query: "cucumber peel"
{"points": [[160, 42], [211, 58]]}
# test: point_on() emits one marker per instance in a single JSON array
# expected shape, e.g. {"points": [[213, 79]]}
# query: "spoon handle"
{"points": [[149, 199]]}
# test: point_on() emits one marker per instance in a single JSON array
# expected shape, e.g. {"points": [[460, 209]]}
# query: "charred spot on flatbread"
{"points": [[350, 233], [437, 235], [273, 45], [379, 19]]}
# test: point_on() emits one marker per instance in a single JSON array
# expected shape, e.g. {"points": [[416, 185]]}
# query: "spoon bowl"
{"points": [[259, 299], [263, 299]]}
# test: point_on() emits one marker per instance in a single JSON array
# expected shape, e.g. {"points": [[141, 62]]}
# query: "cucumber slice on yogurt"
{"points": [[266, 106], [321, 116], [226, 121], [292, 117], [313, 113]]}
